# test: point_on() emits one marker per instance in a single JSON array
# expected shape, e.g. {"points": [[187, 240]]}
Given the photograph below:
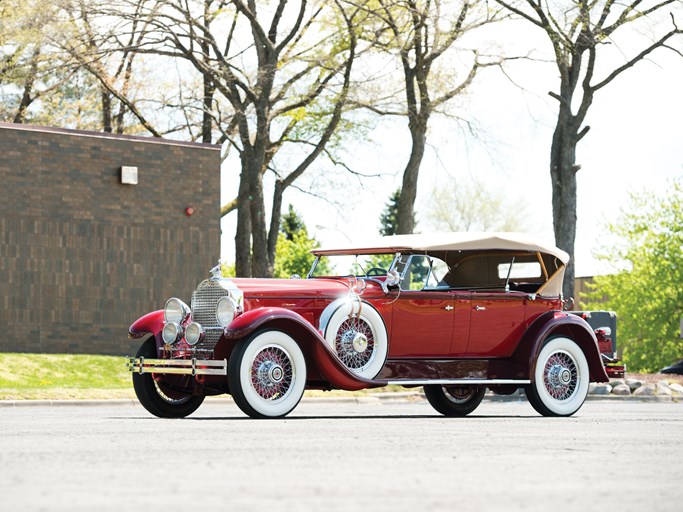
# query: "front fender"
{"points": [[152, 323], [314, 346], [555, 323]]}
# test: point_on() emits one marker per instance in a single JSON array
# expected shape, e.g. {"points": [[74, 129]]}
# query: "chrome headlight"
{"points": [[171, 333], [176, 311], [226, 310], [194, 333]]}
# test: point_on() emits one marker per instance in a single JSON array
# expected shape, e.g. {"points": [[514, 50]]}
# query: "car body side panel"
{"points": [[395, 369]]}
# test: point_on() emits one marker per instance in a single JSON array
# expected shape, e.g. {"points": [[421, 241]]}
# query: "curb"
{"points": [[375, 398]]}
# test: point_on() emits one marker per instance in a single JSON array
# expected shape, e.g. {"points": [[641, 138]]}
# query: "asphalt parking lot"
{"points": [[343, 455]]}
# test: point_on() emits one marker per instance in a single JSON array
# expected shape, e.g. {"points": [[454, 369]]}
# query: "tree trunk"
{"points": [[106, 111], [405, 222], [208, 104], [563, 170], [26, 98], [260, 264], [275, 217], [243, 232], [207, 100]]}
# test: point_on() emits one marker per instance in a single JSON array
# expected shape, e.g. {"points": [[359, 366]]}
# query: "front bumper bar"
{"points": [[178, 366]]}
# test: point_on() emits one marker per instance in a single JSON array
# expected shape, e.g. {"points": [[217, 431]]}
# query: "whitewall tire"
{"points": [[561, 379], [267, 375]]}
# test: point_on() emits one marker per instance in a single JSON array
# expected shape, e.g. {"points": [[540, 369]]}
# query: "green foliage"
{"points": [[228, 270], [293, 249], [294, 256], [646, 290], [380, 261], [389, 217]]}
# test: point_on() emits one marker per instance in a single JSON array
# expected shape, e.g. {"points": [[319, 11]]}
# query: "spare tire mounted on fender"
{"points": [[356, 332]]}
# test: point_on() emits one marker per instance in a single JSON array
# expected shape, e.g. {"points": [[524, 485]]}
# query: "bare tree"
{"points": [[95, 46], [30, 67], [276, 67], [577, 30], [422, 32], [472, 205]]}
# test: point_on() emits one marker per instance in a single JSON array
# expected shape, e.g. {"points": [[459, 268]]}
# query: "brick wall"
{"points": [[81, 254]]}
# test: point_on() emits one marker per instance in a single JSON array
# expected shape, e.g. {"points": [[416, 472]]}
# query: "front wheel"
{"points": [[454, 400], [560, 382], [164, 399], [267, 375]]}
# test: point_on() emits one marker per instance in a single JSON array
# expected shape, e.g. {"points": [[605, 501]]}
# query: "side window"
{"points": [[420, 272], [521, 270], [439, 271]]}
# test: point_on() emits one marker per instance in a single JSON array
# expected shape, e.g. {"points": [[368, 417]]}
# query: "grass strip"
{"points": [[87, 377]]}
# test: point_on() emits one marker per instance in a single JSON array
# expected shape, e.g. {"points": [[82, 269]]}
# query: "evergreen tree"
{"points": [[389, 218], [293, 248], [292, 224]]}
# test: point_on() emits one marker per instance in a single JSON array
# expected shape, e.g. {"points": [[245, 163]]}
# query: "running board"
{"points": [[458, 382]]}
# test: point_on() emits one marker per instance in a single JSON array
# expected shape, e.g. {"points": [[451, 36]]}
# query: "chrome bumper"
{"points": [[178, 366]]}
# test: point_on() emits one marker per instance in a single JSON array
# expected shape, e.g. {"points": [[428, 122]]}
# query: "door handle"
{"points": [[479, 308], [449, 308]]}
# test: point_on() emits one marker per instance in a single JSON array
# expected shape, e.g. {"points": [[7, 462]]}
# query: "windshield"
{"points": [[369, 265]]}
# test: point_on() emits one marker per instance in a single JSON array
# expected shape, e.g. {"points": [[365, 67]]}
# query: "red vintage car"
{"points": [[457, 313]]}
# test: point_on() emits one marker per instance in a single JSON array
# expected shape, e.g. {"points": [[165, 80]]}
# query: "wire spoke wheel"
{"points": [[459, 394], [560, 375], [172, 397], [560, 381], [267, 374], [272, 373], [355, 343]]}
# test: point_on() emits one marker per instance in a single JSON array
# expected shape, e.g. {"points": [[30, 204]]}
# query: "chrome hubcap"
{"points": [[270, 373], [458, 395], [360, 342], [560, 376]]}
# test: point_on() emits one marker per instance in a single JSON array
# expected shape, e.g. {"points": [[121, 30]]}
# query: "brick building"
{"points": [[87, 247]]}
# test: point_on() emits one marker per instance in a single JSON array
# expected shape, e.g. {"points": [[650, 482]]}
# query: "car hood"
{"points": [[254, 288]]}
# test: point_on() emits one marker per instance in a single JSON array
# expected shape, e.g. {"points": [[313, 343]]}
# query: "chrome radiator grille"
{"points": [[204, 300]]}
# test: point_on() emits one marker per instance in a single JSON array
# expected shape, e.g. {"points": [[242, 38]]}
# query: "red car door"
{"points": [[422, 324], [496, 324]]}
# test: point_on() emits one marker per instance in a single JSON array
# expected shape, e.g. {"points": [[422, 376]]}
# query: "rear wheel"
{"points": [[454, 400], [164, 399], [561, 379], [267, 375]]}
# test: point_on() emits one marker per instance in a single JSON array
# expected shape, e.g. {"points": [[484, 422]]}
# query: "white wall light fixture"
{"points": [[129, 175]]}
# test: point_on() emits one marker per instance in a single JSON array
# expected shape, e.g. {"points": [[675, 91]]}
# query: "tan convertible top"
{"points": [[463, 241]]}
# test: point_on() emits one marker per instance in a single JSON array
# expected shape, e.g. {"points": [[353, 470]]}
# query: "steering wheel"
{"points": [[376, 271]]}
